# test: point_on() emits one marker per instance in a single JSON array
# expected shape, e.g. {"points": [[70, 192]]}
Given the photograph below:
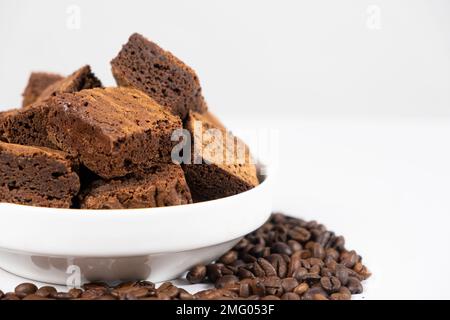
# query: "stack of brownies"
{"points": [[76, 144]]}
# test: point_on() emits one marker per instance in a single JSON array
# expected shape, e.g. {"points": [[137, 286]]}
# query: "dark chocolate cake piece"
{"points": [[160, 186], [114, 131], [37, 176], [219, 168], [37, 83], [142, 64]]}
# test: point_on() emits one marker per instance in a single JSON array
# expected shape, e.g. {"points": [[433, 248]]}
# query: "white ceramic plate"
{"points": [[66, 245]]}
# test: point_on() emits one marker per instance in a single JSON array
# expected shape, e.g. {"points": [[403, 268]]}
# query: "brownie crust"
{"points": [[37, 176], [113, 131], [142, 64], [37, 83], [212, 179], [160, 186]]}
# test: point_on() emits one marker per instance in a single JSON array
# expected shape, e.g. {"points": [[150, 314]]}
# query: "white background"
{"points": [[361, 107]]}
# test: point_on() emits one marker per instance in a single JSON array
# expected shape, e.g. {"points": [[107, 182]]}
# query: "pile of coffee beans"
{"points": [[287, 258]]}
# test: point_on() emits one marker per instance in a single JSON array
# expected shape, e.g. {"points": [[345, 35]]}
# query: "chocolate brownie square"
{"points": [[3, 118], [114, 131], [142, 64], [218, 168], [160, 186], [27, 126], [37, 176], [37, 83], [81, 79]]}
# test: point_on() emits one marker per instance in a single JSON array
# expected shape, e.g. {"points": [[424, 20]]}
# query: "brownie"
{"points": [[81, 79], [37, 83], [3, 118], [113, 131], [37, 176], [160, 186], [142, 64], [27, 126], [209, 176]]}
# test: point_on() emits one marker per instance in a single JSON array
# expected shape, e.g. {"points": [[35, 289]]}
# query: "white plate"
{"points": [[67, 245]]}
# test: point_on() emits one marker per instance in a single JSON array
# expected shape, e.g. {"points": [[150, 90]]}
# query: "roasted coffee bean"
{"points": [[137, 293], [279, 264], [354, 285], [342, 274], [226, 281], [267, 267], [314, 269], [294, 245], [24, 289], [289, 284], [46, 291], [244, 290], [10, 296], [96, 286], [281, 247], [290, 296], [273, 286], [300, 234], [75, 293], [330, 284], [258, 287], [229, 257], [248, 258], [318, 251], [244, 273], [214, 272], [168, 289], [301, 288], [316, 293], [197, 274], [184, 295], [349, 259]]}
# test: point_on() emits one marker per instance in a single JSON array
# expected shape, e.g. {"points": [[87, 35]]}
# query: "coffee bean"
{"points": [[226, 280], [267, 267], [330, 284], [24, 289], [281, 247], [168, 289], [289, 284], [301, 288], [184, 295], [10, 296], [300, 234], [342, 274], [46, 291], [294, 245], [75, 293], [244, 290], [318, 251], [197, 274], [244, 273], [229, 257], [354, 285], [290, 296]]}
